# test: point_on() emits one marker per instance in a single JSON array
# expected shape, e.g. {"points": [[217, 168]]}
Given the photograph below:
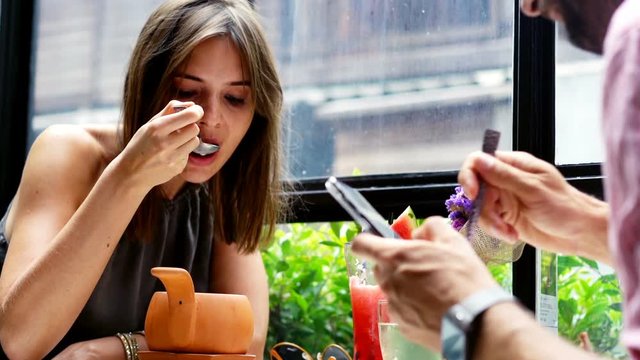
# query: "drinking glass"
{"points": [[365, 294], [393, 344]]}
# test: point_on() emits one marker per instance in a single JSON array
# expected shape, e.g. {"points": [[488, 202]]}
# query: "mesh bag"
{"points": [[493, 250]]}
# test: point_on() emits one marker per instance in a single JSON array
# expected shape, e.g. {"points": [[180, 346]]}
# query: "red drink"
{"points": [[364, 304]]}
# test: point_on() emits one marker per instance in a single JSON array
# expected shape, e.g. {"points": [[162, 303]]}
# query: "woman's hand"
{"points": [[160, 149], [422, 279], [528, 199]]}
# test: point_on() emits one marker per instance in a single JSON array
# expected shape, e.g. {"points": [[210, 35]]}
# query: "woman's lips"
{"points": [[205, 148], [199, 160]]}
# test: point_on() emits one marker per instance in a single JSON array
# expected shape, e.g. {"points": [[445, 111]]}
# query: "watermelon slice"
{"points": [[405, 223]]}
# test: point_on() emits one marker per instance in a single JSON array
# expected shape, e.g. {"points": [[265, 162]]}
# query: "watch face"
{"points": [[453, 340]]}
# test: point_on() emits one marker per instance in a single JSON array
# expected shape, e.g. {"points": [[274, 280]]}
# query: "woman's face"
{"points": [[213, 78]]}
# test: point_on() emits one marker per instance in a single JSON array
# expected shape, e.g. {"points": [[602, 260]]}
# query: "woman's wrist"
{"points": [[130, 344], [123, 179], [142, 341]]}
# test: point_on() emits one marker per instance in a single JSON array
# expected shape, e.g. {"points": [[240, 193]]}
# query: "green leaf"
{"points": [[301, 301], [592, 263], [282, 266], [616, 306], [566, 310], [331, 244], [569, 262], [612, 292], [336, 228], [610, 278], [286, 247]]}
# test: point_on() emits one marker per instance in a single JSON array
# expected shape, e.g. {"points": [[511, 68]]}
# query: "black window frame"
{"points": [[533, 131]]}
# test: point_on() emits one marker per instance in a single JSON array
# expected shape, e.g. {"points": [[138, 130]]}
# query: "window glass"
{"points": [[578, 104], [387, 86], [370, 86], [82, 52]]}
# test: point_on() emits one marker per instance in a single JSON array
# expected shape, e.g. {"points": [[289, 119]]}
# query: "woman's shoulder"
{"points": [[70, 152], [90, 143]]}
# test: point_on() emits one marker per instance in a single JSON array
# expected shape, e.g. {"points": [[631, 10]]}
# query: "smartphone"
{"points": [[359, 208]]}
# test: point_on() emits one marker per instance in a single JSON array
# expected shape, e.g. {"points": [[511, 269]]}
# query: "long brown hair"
{"points": [[246, 194]]}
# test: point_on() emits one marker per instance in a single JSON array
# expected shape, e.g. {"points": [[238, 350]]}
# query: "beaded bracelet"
{"points": [[128, 351], [134, 345]]}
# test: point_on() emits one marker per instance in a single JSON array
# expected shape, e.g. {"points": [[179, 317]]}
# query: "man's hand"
{"points": [[423, 279], [528, 199]]}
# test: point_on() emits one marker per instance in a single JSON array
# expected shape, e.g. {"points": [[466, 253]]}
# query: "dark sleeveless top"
{"points": [[119, 302]]}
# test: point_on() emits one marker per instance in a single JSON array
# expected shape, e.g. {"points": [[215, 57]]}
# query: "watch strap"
{"points": [[458, 323], [484, 299]]}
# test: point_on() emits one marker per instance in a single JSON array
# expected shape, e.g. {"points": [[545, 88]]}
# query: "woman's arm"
{"points": [[60, 241], [68, 216], [106, 348], [244, 274]]}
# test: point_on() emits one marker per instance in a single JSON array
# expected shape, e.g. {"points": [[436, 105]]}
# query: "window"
{"points": [[578, 103], [371, 87], [380, 87], [396, 91], [83, 49]]}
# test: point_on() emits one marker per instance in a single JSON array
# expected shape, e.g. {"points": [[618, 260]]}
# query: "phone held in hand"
{"points": [[359, 208]]}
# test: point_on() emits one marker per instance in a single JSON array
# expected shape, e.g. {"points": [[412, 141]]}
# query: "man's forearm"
{"points": [[509, 332], [594, 245]]}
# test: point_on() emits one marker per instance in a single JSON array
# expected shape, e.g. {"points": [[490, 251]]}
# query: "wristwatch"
{"points": [[462, 320]]}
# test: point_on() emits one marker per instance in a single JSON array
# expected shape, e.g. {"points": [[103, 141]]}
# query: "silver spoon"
{"points": [[205, 149]]}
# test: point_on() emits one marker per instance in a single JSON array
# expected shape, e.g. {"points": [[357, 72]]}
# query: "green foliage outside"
{"points": [[310, 303], [309, 296], [589, 300]]}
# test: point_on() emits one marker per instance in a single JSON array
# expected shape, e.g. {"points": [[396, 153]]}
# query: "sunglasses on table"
{"points": [[291, 351]]}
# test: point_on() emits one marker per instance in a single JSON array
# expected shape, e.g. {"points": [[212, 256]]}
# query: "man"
{"points": [[430, 283]]}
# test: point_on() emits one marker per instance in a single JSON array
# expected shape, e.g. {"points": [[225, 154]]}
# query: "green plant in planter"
{"points": [[309, 296]]}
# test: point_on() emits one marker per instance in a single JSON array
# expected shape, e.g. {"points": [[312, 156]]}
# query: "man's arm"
{"points": [[507, 332]]}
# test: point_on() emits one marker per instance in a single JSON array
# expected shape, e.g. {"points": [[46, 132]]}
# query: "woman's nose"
{"points": [[531, 7], [212, 116]]}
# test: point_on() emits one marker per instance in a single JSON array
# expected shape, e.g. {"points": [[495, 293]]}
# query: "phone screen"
{"points": [[359, 208]]}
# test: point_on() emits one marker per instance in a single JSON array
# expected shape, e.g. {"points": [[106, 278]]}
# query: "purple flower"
{"points": [[458, 223], [459, 207]]}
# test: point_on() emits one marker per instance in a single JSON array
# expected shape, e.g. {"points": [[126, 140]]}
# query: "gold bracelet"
{"points": [[128, 353], [134, 345]]}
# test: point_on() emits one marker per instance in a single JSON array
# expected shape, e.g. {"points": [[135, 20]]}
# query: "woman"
{"points": [[97, 208]]}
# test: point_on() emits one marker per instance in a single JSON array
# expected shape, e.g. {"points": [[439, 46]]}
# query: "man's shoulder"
{"points": [[625, 20], [622, 42]]}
